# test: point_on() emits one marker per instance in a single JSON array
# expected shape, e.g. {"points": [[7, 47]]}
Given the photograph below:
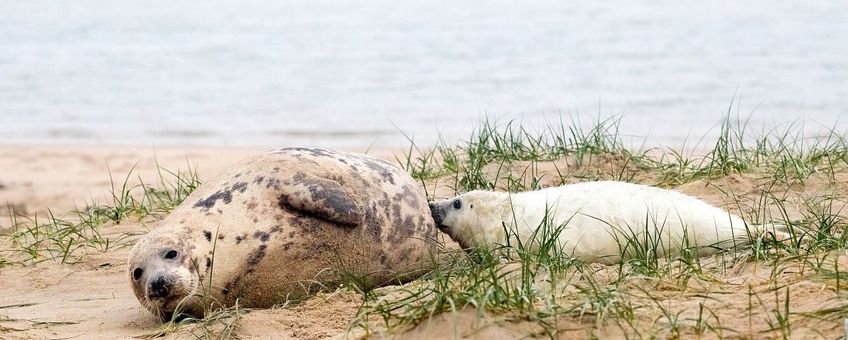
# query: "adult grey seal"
{"points": [[280, 226]]}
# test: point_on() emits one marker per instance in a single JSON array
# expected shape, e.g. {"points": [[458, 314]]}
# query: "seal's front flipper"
{"points": [[321, 197]]}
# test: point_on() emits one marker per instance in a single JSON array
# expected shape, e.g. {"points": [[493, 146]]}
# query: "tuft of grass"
{"points": [[482, 161], [55, 238], [221, 323], [147, 200], [66, 238]]}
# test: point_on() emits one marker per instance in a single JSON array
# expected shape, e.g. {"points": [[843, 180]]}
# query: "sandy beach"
{"points": [[89, 296], [113, 112]]}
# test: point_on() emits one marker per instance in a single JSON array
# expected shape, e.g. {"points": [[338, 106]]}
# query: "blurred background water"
{"points": [[357, 73]]}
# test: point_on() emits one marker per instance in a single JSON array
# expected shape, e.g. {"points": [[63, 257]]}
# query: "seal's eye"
{"points": [[171, 254], [457, 204], [137, 273]]}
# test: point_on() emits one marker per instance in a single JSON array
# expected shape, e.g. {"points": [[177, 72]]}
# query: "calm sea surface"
{"points": [[357, 73]]}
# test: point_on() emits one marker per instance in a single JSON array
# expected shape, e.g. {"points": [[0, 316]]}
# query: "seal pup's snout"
{"points": [[159, 288], [437, 216]]}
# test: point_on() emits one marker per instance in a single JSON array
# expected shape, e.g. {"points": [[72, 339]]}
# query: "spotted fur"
{"points": [[297, 216]]}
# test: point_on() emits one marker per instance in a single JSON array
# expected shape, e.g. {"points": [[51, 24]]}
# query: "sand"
{"points": [[91, 299]]}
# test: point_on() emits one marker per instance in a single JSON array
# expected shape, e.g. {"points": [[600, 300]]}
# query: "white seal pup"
{"points": [[282, 225], [602, 221]]}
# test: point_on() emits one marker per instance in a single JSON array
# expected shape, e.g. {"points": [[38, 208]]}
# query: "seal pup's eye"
{"points": [[137, 273], [171, 254], [457, 204]]}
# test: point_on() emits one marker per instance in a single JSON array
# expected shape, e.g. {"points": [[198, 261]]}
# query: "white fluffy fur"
{"points": [[598, 220]]}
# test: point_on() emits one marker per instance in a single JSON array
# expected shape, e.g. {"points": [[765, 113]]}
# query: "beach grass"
{"points": [[67, 237], [766, 288], [643, 296]]}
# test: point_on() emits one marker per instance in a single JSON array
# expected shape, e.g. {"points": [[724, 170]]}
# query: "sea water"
{"points": [[374, 72]]}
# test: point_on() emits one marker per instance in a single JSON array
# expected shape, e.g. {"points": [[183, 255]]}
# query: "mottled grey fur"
{"points": [[286, 223]]}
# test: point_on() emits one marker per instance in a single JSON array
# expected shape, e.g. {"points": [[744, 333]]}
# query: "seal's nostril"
{"points": [[159, 283], [158, 288], [437, 216]]}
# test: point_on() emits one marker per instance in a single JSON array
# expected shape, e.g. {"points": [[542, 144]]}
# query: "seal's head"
{"points": [[163, 275], [473, 219]]}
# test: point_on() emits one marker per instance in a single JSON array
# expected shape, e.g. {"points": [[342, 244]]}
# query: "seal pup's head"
{"points": [[163, 275], [473, 219]]}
